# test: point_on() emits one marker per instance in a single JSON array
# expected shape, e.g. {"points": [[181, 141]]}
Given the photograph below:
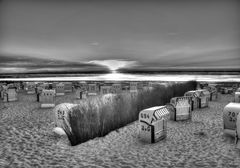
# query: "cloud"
{"points": [[23, 64], [190, 58], [12, 70], [152, 33], [171, 33], [94, 43]]}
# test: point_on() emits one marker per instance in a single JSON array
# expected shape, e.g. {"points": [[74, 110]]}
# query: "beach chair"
{"points": [[237, 136], [83, 86], [61, 113], [17, 85], [140, 86], [80, 94], [204, 97], [38, 91], [68, 87], [60, 89], [195, 99], [116, 88], [230, 113], [105, 89], [206, 93], [213, 92], [9, 95], [12, 94], [3, 91], [181, 108], [47, 98], [54, 84], [237, 97], [223, 90], [133, 87], [153, 124], [92, 89], [30, 87]]}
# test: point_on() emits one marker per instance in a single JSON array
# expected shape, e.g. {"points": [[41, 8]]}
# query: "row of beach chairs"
{"points": [[153, 121]]}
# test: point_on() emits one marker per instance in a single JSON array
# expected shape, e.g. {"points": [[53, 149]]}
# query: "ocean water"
{"points": [[133, 77]]}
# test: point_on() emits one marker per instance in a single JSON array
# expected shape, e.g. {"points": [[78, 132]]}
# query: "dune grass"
{"points": [[101, 115]]}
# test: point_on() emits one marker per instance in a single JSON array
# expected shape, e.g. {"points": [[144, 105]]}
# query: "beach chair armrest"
{"points": [[236, 137]]}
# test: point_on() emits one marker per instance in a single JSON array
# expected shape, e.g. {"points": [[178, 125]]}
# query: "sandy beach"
{"points": [[27, 140]]}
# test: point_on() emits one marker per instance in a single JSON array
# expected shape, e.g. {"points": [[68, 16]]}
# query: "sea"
{"points": [[132, 77]]}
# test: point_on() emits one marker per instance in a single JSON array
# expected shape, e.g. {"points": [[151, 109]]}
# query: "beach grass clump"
{"points": [[98, 116]]}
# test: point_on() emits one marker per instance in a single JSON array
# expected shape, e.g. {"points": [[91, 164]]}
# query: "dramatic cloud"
{"points": [[191, 59], [151, 34], [22, 64], [13, 70]]}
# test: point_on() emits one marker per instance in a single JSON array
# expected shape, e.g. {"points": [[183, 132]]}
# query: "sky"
{"points": [[112, 34]]}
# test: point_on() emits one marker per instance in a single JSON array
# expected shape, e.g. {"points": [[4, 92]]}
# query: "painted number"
{"points": [[144, 115], [60, 115], [145, 128], [232, 116]]}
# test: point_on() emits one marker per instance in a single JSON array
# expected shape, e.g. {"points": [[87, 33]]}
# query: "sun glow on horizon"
{"points": [[114, 65]]}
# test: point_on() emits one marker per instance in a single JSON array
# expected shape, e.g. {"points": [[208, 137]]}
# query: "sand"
{"points": [[27, 140]]}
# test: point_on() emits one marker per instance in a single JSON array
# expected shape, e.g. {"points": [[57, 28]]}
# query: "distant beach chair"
{"points": [[60, 89], [213, 92], [80, 94], [195, 99], [30, 87], [204, 97], [92, 89], [133, 87], [105, 89], [237, 97], [10, 94], [68, 86], [116, 88], [181, 108], [47, 98]]}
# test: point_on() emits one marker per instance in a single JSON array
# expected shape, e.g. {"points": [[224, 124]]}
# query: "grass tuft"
{"points": [[98, 116]]}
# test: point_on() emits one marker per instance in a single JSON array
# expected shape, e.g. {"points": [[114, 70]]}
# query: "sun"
{"points": [[114, 65]]}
